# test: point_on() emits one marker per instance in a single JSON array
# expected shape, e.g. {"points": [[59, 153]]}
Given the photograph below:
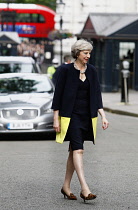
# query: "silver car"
{"points": [[18, 64], [25, 103]]}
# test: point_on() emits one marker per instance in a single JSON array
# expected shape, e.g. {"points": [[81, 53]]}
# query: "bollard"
{"points": [[125, 75]]}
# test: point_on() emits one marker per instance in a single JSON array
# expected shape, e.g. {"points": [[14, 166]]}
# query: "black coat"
{"points": [[66, 90], [65, 95], [56, 74]]}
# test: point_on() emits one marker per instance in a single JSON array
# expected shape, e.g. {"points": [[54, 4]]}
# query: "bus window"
{"points": [[41, 19], [29, 18], [34, 18], [23, 17]]}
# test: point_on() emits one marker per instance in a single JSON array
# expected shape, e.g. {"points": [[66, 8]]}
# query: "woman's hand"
{"points": [[105, 123], [56, 123]]}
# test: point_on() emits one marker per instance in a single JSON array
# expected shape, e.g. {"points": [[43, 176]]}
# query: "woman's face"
{"points": [[84, 56]]}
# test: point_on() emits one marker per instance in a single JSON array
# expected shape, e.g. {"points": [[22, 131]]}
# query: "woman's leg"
{"points": [[78, 164], [69, 173]]}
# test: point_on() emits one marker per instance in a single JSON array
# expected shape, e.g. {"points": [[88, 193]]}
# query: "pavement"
{"points": [[32, 171], [112, 103]]}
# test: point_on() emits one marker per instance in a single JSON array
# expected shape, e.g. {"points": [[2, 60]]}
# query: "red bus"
{"points": [[28, 20]]}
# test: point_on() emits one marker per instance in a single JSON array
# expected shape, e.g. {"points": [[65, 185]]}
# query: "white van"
{"points": [[18, 64]]}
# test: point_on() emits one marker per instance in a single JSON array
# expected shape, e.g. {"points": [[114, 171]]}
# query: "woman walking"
{"points": [[76, 104]]}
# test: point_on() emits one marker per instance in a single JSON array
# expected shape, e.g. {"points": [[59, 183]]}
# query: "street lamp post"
{"points": [[61, 6], [61, 50]]}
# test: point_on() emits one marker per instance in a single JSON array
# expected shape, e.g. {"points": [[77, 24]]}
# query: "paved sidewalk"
{"points": [[112, 103]]}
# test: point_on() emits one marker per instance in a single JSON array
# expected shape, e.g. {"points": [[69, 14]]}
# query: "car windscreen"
{"points": [[25, 84], [17, 68]]}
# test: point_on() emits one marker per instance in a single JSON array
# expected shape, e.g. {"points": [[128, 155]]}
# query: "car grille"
{"points": [[19, 114]]}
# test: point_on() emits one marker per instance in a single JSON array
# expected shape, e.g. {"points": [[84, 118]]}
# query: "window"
{"points": [[16, 67], [29, 18], [126, 48], [25, 84]]}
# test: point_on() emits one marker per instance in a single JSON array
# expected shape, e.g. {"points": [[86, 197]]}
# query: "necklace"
{"points": [[81, 71]]}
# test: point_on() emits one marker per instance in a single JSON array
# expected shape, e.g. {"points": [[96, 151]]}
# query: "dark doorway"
{"points": [[127, 52]]}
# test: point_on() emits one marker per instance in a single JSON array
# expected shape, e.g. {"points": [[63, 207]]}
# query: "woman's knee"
{"points": [[79, 151]]}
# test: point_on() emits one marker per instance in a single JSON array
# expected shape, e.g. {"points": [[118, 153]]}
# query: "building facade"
{"points": [[115, 40], [75, 14]]}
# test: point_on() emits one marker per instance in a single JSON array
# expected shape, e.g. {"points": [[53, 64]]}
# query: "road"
{"points": [[32, 172]]}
